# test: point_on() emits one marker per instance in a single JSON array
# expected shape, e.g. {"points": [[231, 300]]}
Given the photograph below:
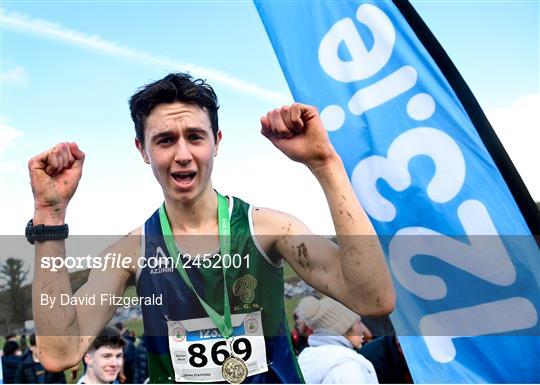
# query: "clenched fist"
{"points": [[55, 175], [299, 133]]}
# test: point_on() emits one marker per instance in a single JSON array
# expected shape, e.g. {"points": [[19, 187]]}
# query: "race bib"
{"points": [[198, 349]]}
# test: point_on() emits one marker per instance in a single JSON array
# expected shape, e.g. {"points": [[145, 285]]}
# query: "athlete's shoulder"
{"points": [[275, 222], [128, 246], [132, 239]]}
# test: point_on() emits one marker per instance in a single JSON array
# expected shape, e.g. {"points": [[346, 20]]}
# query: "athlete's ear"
{"points": [[140, 147], [218, 139]]}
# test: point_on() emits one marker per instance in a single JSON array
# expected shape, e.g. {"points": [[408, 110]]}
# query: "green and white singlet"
{"points": [[255, 289]]}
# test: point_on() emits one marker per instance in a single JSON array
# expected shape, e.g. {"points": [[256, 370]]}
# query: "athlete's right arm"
{"points": [[65, 332]]}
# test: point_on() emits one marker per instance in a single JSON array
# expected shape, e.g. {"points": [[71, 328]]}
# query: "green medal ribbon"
{"points": [[223, 323]]}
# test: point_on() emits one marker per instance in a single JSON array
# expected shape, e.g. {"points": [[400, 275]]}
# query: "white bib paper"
{"points": [[198, 349]]}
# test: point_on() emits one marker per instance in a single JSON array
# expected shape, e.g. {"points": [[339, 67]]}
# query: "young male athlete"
{"points": [[224, 318], [104, 358]]}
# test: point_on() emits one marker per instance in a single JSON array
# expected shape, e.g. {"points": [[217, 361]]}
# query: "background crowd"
{"points": [[333, 344], [116, 356]]}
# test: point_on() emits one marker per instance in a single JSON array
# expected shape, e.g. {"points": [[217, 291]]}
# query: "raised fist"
{"points": [[299, 133], [55, 175]]}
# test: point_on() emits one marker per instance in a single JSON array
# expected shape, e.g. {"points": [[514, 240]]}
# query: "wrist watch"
{"points": [[42, 233]]}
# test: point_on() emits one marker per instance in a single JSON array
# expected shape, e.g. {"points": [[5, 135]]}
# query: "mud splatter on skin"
{"points": [[378, 302], [62, 352], [303, 256], [324, 268], [287, 236], [47, 289], [352, 251], [45, 286], [65, 183]]}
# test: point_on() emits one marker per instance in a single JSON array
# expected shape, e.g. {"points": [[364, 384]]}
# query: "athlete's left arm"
{"points": [[354, 272]]}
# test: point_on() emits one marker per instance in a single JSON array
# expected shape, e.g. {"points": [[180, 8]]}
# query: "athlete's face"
{"points": [[104, 364], [180, 147]]}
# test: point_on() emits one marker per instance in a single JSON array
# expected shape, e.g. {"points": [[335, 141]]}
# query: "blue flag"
{"points": [[453, 216]]}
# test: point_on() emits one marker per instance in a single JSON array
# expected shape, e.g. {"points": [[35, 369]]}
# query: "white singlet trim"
{"points": [[230, 200], [256, 242]]}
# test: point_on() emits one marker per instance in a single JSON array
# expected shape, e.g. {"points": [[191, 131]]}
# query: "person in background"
{"points": [[331, 357], [368, 336], [299, 334], [23, 344], [30, 370], [10, 361], [141, 363], [128, 369], [104, 358], [387, 357], [126, 373], [11, 337]]}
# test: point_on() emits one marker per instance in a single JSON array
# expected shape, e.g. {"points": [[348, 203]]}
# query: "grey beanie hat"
{"points": [[325, 313]]}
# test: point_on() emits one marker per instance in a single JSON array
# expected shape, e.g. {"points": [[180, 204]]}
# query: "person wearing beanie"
{"points": [[331, 356]]}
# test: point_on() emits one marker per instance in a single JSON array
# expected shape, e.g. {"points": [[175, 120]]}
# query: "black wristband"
{"points": [[42, 233]]}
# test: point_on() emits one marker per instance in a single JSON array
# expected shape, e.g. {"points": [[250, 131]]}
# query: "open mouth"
{"points": [[184, 177]]}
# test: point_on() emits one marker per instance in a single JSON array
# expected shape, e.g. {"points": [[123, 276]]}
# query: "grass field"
{"points": [[288, 272]]}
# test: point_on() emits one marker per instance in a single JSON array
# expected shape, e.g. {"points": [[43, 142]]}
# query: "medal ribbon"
{"points": [[223, 323]]}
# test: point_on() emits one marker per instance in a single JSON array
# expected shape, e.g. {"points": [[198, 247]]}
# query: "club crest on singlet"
{"points": [[244, 287]]}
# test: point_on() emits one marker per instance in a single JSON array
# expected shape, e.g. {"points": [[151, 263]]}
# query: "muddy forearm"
{"points": [[362, 261], [57, 326]]}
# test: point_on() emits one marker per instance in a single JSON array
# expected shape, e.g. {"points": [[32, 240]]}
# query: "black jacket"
{"points": [[387, 360], [9, 367], [27, 373]]}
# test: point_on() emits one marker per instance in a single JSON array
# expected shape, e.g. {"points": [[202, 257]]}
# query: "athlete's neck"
{"points": [[198, 216]]}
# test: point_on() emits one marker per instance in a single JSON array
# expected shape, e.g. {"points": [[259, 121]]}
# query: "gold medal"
{"points": [[234, 370]]}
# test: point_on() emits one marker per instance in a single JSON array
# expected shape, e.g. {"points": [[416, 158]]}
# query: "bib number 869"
{"points": [[198, 359]]}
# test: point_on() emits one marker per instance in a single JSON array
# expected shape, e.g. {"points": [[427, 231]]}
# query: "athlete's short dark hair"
{"points": [[175, 87], [109, 337]]}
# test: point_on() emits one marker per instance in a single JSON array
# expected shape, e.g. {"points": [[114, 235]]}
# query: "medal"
{"points": [[234, 370]]}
